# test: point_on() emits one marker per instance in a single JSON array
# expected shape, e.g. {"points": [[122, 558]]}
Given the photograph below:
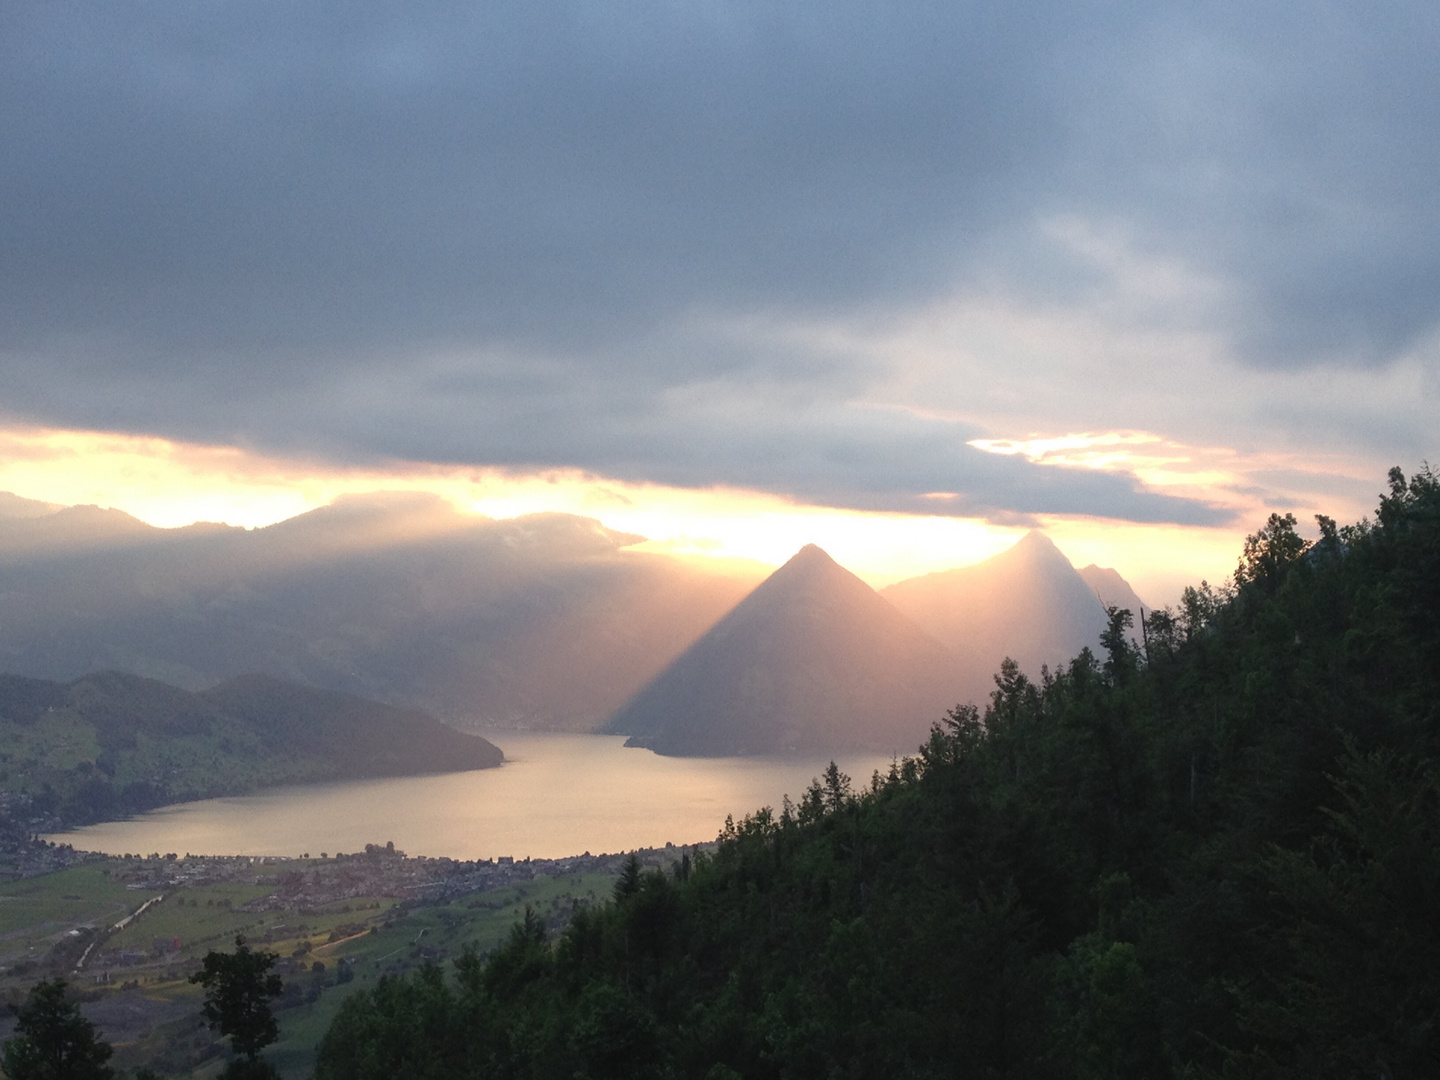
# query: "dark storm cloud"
{"points": [[333, 178], [489, 232]]}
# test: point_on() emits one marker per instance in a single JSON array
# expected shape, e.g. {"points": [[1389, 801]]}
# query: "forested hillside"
{"points": [[111, 744], [1217, 853]]}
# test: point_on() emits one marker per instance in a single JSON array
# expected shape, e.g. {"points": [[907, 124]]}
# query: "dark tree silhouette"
{"points": [[238, 987], [629, 882], [53, 1041], [1270, 551]]}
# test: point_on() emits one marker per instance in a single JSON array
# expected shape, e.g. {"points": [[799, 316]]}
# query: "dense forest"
{"points": [[1214, 853]]}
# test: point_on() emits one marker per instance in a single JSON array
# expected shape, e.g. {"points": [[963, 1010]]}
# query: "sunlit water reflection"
{"points": [[556, 795]]}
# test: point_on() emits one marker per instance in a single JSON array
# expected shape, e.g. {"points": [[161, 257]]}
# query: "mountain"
{"points": [[1221, 861], [1027, 603], [542, 621], [354, 736], [547, 621], [111, 743], [13, 506], [30, 533], [813, 659], [1113, 590]]}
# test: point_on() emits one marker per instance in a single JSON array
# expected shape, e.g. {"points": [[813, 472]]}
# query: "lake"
{"points": [[555, 795]]}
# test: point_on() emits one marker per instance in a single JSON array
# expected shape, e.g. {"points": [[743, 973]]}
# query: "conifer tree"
{"points": [[238, 987], [53, 1041]]}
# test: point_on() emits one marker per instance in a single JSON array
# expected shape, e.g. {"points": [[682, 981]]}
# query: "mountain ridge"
{"points": [[544, 621], [541, 622]]}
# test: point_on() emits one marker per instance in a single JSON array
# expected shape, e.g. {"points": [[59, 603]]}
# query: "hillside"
{"points": [[1215, 856], [813, 659], [111, 744]]}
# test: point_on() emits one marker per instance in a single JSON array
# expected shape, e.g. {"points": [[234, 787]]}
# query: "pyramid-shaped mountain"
{"points": [[1113, 590], [812, 660], [1028, 603]]}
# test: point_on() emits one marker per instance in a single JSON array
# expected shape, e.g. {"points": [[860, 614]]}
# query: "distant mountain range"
{"points": [[112, 743], [543, 621], [548, 621]]}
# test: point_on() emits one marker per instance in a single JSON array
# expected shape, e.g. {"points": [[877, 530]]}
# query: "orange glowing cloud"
{"points": [[170, 483]]}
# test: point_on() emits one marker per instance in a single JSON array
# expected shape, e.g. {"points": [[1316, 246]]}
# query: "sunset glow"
{"points": [[168, 483], [902, 284], [618, 417]]}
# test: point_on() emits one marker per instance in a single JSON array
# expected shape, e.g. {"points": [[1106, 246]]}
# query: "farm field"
{"points": [[134, 977]]}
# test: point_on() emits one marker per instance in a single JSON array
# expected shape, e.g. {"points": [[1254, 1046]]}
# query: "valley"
{"points": [[339, 924]]}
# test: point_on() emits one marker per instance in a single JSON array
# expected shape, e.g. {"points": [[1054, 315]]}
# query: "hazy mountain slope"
{"points": [[542, 621], [13, 506], [26, 533], [113, 743], [1027, 603], [812, 659], [1113, 590]]}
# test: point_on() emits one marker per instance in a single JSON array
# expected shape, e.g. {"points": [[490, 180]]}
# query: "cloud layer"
{"points": [[622, 237]]}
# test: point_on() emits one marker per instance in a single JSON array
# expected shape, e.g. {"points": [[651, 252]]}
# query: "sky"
{"points": [[905, 280]]}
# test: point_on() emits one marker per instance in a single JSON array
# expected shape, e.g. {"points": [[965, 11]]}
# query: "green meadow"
{"points": [[38, 912]]}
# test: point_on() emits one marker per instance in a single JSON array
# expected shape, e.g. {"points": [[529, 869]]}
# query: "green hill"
{"points": [[1213, 854], [112, 744]]}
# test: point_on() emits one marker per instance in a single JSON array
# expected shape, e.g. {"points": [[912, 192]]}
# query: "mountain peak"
{"points": [[1036, 545], [810, 553], [1113, 590], [1034, 550], [811, 579], [811, 556], [1027, 603], [813, 658]]}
